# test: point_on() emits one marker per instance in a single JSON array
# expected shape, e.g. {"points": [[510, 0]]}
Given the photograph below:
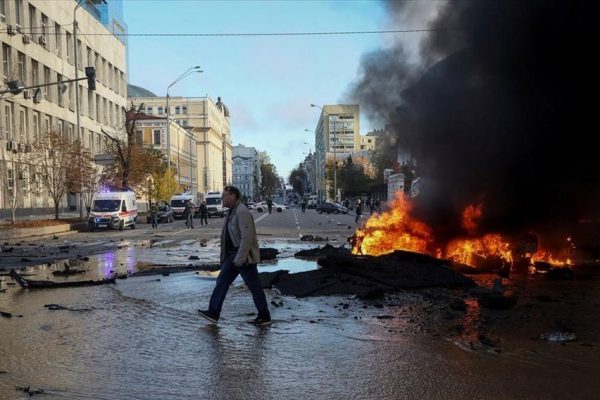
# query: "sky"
{"points": [[268, 83]]}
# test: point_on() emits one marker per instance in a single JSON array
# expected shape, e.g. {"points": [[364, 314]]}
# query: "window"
{"points": [[139, 136], [11, 179], [177, 110], [22, 125], [69, 47], [149, 109], [184, 109], [34, 72], [8, 121], [156, 139], [2, 10], [79, 54], [46, 125], [58, 40], [90, 103], [160, 109], [59, 88], [19, 14], [32, 21], [21, 66], [35, 126], [90, 57], [98, 115], [46, 81], [45, 25], [6, 61]]}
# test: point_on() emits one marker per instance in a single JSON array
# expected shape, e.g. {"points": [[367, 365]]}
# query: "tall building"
{"points": [[37, 48], [337, 135], [246, 171], [208, 122]]}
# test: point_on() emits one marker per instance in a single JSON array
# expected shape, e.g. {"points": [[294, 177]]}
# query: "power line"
{"points": [[338, 33]]}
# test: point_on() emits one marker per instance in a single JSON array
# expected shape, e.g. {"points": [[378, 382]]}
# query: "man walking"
{"points": [[359, 211], [153, 215], [239, 256], [270, 205]]}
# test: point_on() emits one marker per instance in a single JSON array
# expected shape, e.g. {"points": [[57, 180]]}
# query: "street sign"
{"points": [[104, 159]]}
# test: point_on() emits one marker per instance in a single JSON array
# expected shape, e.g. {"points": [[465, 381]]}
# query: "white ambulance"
{"points": [[113, 210]]}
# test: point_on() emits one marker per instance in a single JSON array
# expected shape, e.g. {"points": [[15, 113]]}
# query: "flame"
{"points": [[395, 229], [464, 250], [392, 230], [545, 256], [471, 216]]}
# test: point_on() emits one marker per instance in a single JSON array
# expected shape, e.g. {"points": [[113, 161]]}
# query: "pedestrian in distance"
{"points": [[203, 214], [189, 214], [153, 215], [270, 205], [239, 256], [304, 205], [359, 211]]}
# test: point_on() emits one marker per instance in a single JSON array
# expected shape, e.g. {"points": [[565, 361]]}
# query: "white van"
{"points": [[114, 210], [179, 201], [214, 204]]}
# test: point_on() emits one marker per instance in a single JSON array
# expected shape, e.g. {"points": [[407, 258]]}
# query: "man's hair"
{"points": [[232, 189]]}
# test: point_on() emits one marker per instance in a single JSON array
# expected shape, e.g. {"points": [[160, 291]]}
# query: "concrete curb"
{"points": [[20, 233]]}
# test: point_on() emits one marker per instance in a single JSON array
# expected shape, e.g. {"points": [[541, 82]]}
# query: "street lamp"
{"points": [[190, 71], [334, 151]]}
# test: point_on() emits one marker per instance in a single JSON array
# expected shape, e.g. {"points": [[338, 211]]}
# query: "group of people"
{"points": [[188, 213]]}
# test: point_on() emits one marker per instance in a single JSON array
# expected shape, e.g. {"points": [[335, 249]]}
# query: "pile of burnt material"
{"points": [[325, 251], [367, 276]]}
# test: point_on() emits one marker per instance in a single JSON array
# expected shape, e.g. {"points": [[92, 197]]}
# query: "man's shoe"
{"points": [[261, 321], [208, 315]]}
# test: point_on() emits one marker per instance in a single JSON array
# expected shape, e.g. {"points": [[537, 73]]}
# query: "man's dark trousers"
{"points": [[226, 277]]}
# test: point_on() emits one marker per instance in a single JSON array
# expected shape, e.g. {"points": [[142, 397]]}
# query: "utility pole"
{"points": [[79, 135]]}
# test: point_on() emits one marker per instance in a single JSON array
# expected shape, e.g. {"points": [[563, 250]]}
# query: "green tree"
{"points": [[352, 179], [298, 180], [269, 180]]}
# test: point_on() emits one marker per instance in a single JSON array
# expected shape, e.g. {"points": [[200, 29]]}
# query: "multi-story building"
{"points": [[337, 134], [209, 123], [37, 47], [152, 132], [246, 171]]}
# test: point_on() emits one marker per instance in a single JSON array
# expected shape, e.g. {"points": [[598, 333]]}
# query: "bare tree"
{"points": [[15, 166], [84, 177], [52, 159], [133, 163]]}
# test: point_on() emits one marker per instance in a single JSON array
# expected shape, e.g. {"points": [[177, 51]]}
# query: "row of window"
{"points": [[31, 73], [23, 125], [51, 36], [160, 110]]}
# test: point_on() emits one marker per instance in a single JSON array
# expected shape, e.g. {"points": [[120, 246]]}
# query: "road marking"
{"points": [[261, 217]]}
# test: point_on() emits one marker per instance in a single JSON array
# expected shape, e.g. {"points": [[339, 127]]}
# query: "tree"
{"points": [[269, 182], [14, 175], [84, 177], [298, 180], [53, 159], [352, 179], [133, 164], [163, 184]]}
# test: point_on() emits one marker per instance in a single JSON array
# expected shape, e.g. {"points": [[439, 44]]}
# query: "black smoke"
{"points": [[507, 116]]}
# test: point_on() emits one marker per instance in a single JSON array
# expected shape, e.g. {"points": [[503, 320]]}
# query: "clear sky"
{"points": [[268, 83]]}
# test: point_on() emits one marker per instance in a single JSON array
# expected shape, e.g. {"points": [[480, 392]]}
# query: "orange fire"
{"points": [[545, 256], [464, 250], [392, 230], [395, 229], [471, 216]]}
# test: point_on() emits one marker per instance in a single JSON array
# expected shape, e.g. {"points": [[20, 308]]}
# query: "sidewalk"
{"points": [[9, 233]]}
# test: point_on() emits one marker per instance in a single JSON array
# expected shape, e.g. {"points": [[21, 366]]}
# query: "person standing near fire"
{"points": [[239, 256], [203, 213], [359, 211]]}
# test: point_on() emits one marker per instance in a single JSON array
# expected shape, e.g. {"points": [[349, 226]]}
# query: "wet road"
{"points": [[142, 338]]}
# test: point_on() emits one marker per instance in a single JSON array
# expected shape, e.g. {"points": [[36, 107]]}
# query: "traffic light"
{"points": [[90, 72]]}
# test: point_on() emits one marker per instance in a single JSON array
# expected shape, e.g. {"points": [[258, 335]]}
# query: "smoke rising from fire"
{"points": [[500, 111]]}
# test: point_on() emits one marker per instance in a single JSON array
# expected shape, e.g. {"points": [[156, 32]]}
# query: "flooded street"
{"points": [[143, 339]]}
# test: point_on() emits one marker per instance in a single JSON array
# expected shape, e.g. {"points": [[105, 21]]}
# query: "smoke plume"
{"points": [[500, 111]]}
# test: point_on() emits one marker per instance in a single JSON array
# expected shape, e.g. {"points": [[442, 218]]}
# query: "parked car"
{"points": [[331, 208], [262, 206], [165, 214], [250, 205]]}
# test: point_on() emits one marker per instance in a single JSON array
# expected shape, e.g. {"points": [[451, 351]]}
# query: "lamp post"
{"points": [[182, 76], [334, 151], [77, 92]]}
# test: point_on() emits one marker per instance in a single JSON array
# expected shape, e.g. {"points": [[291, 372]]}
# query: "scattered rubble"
{"points": [[312, 238], [327, 250]]}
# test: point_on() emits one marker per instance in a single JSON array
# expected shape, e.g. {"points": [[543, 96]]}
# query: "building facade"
{"points": [[337, 136], [152, 132], [37, 48], [246, 171], [209, 123]]}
